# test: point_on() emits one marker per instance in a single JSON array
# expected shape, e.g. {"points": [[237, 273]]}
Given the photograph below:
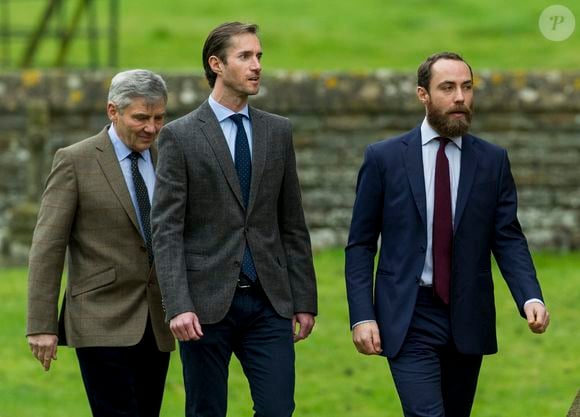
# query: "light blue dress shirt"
{"points": [[229, 127], [145, 167]]}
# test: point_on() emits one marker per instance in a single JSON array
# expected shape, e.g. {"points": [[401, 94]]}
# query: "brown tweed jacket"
{"points": [[87, 209]]}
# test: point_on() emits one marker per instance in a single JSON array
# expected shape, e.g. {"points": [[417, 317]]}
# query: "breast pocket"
{"points": [[484, 194], [195, 262]]}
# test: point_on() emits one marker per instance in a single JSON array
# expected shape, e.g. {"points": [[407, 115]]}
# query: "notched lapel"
{"points": [[469, 158], [107, 160], [260, 135], [414, 166], [215, 137]]}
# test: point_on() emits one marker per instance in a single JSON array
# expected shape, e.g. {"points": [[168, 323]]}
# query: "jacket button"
{"points": [[143, 248], [237, 263], [422, 248]]}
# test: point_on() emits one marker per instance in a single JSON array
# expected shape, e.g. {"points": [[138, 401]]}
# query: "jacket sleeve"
{"points": [[167, 223], [362, 241], [510, 247], [49, 243], [295, 237]]}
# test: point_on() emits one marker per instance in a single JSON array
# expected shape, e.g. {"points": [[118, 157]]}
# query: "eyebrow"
{"points": [[453, 82]]}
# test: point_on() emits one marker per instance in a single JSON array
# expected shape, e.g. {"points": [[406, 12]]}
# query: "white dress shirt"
{"points": [[429, 148]]}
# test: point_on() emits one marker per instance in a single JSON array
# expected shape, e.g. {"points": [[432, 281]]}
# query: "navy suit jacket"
{"points": [[391, 204]]}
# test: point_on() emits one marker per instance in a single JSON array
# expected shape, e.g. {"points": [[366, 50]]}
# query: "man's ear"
{"points": [[422, 95], [112, 112], [215, 64]]}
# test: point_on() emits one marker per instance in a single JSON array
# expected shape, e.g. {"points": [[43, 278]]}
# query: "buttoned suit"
{"points": [[201, 226], [111, 290], [391, 203]]}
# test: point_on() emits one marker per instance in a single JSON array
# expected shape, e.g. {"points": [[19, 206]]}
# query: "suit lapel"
{"points": [[215, 137], [260, 134], [413, 158], [153, 152], [111, 169], [469, 158]]}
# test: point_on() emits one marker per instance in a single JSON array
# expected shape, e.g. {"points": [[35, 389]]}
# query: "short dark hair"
{"points": [[218, 42], [424, 71]]}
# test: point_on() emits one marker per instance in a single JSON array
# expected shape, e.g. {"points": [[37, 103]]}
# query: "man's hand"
{"points": [[366, 338], [538, 317], [306, 322], [43, 347], [186, 326]]}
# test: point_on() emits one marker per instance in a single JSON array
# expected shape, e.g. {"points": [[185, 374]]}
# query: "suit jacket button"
{"points": [[143, 248], [422, 248], [237, 264]]}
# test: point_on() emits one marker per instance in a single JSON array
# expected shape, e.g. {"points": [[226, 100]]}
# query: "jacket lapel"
{"points": [[413, 158], [153, 152], [260, 134], [215, 137], [469, 158], [111, 169]]}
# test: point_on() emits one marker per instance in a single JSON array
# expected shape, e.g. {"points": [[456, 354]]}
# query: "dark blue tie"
{"points": [[142, 201], [244, 170]]}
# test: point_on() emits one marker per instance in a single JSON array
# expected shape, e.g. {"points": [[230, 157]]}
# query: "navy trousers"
{"points": [[125, 381], [261, 340], [432, 378]]}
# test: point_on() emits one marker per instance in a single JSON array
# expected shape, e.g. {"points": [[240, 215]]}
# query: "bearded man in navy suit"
{"points": [[442, 202]]}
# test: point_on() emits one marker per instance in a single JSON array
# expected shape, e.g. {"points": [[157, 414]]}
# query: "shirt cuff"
{"points": [[531, 300], [361, 322]]}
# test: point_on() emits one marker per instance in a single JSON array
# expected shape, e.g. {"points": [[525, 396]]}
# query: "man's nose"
{"points": [[256, 64], [150, 126], [459, 97]]}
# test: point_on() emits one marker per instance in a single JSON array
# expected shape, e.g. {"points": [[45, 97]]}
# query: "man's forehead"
{"points": [[451, 70], [146, 105], [244, 41]]}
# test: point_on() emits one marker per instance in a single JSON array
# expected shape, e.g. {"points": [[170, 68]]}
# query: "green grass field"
{"points": [[531, 376], [330, 34]]}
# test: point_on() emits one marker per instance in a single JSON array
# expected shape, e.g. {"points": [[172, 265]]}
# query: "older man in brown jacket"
{"points": [[96, 205]]}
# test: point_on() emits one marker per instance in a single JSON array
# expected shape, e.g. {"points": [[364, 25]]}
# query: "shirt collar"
{"points": [[428, 134], [121, 150], [222, 112]]}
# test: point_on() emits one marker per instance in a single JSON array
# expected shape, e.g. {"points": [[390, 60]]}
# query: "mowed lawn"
{"points": [[531, 376], [323, 34]]}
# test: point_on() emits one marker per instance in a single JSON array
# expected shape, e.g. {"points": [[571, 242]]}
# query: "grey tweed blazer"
{"points": [[200, 226]]}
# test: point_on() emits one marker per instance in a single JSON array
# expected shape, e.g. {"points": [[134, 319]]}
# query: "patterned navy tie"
{"points": [[244, 170], [142, 201], [442, 225]]}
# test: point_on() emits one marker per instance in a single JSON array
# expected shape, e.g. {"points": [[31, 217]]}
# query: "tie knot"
{"points": [[443, 141], [134, 156], [237, 118]]}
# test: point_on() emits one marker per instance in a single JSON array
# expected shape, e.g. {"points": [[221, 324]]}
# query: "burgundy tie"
{"points": [[442, 225]]}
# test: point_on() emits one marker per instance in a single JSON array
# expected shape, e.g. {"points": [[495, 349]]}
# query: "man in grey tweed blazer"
{"points": [[112, 312], [234, 264]]}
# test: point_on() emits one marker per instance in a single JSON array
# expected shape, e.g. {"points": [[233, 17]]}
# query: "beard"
{"points": [[443, 124]]}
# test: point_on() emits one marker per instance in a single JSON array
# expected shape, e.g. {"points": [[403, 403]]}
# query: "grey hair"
{"points": [[137, 83]]}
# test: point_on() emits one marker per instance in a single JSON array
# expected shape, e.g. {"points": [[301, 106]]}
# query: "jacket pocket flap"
{"points": [[96, 281]]}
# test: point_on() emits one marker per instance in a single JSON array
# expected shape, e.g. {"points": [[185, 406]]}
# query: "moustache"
{"points": [[459, 109]]}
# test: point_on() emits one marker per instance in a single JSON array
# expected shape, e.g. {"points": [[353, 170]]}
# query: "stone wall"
{"points": [[536, 116]]}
